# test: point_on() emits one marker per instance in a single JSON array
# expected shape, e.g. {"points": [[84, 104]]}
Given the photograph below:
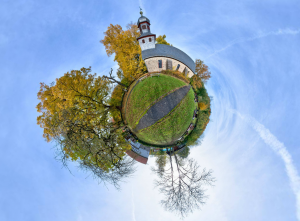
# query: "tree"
{"points": [[182, 185], [162, 40], [76, 114], [202, 70], [203, 106], [196, 82], [161, 161], [126, 48], [184, 153]]}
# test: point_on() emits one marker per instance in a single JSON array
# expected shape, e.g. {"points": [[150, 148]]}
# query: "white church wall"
{"points": [[148, 44], [152, 65]]}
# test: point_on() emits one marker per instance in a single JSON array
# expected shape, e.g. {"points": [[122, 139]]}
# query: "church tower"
{"points": [[146, 39]]}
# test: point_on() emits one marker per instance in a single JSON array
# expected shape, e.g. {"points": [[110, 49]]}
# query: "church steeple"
{"points": [[146, 39]]}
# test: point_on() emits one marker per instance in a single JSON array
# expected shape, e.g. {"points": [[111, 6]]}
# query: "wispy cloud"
{"points": [[142, 6], [279, 149], [286, 31], [133, 213]]}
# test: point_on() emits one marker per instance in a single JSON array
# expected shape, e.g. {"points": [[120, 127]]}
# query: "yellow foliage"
{"points": [[126, 49], [77, 95], [202, 106], [161, 40], [76, 112], [202, 70], [196, 82]]}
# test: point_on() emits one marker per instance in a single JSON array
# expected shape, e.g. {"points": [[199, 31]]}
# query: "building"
{"points": [[160, 57], [138, 151]]}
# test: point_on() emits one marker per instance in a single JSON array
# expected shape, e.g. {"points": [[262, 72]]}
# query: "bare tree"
{"points": [[113, 80], [182, 184], [124, 169]]}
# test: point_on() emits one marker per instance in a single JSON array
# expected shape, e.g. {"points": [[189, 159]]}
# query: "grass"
{"points": [[145, 93], [170, 128]]}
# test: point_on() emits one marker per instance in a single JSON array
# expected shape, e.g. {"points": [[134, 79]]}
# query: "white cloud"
{"points": [[279, 148], [133, 213], [286, 31]]}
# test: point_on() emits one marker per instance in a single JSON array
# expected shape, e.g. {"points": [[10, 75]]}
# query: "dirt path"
{"points": [[162, 108]]}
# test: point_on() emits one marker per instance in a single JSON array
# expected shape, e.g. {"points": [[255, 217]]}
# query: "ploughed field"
{"points": [[159, 109]]}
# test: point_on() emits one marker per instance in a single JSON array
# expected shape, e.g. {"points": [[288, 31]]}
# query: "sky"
{"points": [[251, 143]]}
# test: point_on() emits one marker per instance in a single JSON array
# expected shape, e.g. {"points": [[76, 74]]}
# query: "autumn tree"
{"points": [[202, 106], [76, 114], [202, 70], [161, 39], [125, 47], [182, 185], [196, 82]]}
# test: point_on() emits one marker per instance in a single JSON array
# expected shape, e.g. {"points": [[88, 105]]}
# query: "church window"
{"points": [[169, 64], [143, 41], [150, 39], [177, 67], [159, 63], [144, 27], [185, 71]]}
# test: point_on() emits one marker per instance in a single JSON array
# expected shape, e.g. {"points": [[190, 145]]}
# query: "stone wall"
{"points": [[152, 65]]}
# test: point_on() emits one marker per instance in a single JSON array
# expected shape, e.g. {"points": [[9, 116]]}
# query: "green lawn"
{"points": [[146, 92], [171, 127]]}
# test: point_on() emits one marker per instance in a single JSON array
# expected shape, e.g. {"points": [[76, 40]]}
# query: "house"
{"points": [[138, 152]]}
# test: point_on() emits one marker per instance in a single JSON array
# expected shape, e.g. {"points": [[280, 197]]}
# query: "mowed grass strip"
{"points": [[146, 92], [171, 127]]}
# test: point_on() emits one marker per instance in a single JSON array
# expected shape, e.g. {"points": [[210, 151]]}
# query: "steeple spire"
{"points": [[146, 39], [141, 12]]}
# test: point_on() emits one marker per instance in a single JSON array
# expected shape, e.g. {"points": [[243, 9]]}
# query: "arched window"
{"points": [[150, 39], [144, 27], [143, 41], [177, 67]]}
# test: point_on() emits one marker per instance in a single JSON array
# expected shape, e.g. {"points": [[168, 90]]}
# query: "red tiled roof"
{"points": [[137, 157]]}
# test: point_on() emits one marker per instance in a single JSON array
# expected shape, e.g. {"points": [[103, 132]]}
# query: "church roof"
{"points": [[146, 34], [142, 19], [162, 50]]}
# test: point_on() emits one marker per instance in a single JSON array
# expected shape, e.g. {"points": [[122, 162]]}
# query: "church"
{"points": [[157, 57], [160, 57]]}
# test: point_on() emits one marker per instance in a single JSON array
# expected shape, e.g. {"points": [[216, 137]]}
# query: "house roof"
{"points": [[162, 50], [137, 157]]}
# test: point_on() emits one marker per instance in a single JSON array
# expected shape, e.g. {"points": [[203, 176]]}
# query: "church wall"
{"points": [[147, 44], [152, 65]]}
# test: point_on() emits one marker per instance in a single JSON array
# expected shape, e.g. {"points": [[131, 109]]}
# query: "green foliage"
{"points": [[202, 120], [161, 161], [184, 153]]}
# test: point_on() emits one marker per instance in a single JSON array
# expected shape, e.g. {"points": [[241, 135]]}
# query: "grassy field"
{"points": [[145, 93], [171, 127]]}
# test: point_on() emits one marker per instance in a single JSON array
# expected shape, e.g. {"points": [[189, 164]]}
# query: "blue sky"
{"points": [[251, 143]]}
